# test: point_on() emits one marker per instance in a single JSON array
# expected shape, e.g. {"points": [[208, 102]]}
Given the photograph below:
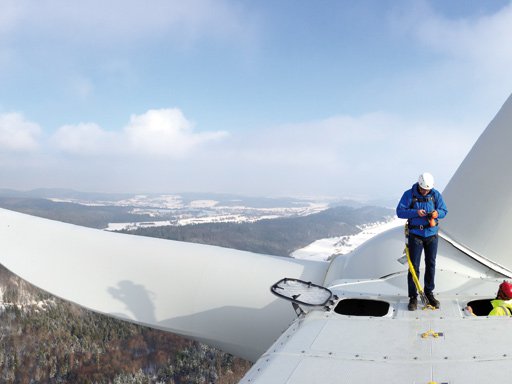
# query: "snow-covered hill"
{"points": [[186, 209], [325, 249]]}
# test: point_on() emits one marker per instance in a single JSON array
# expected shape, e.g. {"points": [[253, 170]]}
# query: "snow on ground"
{"points": [[323, 249], [209, 211], [203, 203], [136, 225]]}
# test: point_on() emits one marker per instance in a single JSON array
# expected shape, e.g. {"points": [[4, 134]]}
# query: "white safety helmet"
{"points": [[426, 181]]}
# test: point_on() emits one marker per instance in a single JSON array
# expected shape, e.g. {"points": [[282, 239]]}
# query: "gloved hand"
{"points": [[432, 216]]}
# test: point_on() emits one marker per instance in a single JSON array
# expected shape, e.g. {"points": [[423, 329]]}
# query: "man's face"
{"points": [[423, 192]]}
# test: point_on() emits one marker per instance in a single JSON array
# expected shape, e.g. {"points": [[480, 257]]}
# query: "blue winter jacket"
{"points": [[407, 209]]}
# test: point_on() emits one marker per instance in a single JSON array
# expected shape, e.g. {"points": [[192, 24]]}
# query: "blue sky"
{"points": [[332, 97]]}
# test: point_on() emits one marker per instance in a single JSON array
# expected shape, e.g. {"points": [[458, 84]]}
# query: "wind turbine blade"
{"points": [[216, 295], [478, 196]]}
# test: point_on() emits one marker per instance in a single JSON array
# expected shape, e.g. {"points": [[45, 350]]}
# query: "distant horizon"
{"points": [[185, 193]]}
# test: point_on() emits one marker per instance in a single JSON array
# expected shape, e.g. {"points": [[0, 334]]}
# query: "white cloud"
{"points": [[162, 132], [485, 41], [165, 132], [466, 52], [83, 139], [458, 66], [368, 154], [17, 133], [349, 136], [125, 20]]}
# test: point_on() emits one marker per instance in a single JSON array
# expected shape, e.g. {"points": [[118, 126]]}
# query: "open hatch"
{"points": [[362, 307], [481, 307]]}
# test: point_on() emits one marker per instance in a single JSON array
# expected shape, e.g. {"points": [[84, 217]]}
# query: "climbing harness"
{"points": [[433, 221]]}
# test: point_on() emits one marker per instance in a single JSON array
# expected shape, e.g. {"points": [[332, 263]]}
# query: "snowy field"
{"points": [[323, 249], [209, 211]]}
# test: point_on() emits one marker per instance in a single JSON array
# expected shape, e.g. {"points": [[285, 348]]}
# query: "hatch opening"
{"points": [[481, 307], [362, 307]]}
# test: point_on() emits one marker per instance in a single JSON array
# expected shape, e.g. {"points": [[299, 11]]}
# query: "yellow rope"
{"points": [[413, 271], [430, 332], [416, 281]]}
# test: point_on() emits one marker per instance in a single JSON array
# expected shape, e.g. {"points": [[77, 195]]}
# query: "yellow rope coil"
{"points": [[430, 332]]}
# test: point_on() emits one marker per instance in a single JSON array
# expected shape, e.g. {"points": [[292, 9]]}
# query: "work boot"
{"points": [[413, 304], [432, 300]]}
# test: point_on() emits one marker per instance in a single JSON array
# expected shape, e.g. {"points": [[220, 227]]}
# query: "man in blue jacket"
{"points": [[422, 206]]}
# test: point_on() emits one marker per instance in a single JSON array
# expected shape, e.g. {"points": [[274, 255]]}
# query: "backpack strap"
{"points": [[422, 199]]}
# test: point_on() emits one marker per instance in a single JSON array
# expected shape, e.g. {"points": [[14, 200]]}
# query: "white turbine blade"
{"points": [[217, 295], [479, 195]]}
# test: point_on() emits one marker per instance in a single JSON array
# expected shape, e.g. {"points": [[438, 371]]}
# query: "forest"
{"points": [[47, 340]]}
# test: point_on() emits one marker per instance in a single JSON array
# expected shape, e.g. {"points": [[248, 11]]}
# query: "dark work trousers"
{"points": [[416, 245]]}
